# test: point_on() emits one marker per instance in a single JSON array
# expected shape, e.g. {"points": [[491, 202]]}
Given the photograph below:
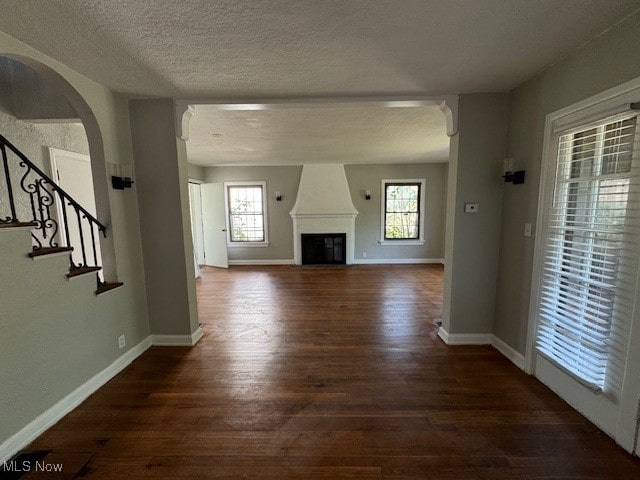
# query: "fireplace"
{"points": [[324, 205], [324, 248]]}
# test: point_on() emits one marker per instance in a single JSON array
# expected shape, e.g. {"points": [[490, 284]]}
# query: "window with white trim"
{"points": [[246, 213], [402, 217], [591, 249]]}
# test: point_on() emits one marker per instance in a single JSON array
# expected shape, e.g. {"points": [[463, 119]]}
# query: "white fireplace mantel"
{"points": [[323, 205]]}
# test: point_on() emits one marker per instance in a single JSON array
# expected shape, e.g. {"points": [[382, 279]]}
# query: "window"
{"points": [[246, 213], [402, 217], [590, 256]]}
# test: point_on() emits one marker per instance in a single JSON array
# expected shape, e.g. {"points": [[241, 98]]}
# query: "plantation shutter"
{"points": [[591, 246]]}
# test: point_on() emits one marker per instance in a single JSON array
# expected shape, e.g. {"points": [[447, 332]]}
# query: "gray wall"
{"points": [[161, 183], [369, 177], [56, 334], [360, 178], [279, 179], [607, 61], [28, 96], [196, 172], [472, 244], [33, 140]]}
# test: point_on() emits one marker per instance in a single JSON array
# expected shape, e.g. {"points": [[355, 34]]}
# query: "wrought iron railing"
{"points": [[59, 222]]}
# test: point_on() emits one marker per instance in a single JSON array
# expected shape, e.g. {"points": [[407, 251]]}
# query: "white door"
{"points": [[72, 171], [214, 225], [195, 202]]}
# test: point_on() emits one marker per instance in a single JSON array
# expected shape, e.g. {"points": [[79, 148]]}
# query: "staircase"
{"points": [[59, 226]]}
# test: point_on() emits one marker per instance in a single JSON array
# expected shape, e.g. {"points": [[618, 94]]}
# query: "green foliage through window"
{"points": [[402, 211], [246, 213]]}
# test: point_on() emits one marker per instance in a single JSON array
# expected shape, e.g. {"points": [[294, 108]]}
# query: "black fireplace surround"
{"points": [[324, 248]]}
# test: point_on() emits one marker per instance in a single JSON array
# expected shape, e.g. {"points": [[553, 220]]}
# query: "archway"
{"points": [[55, 82]]}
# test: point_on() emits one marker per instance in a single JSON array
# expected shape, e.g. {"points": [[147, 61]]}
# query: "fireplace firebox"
{"points": [[324, 248]]}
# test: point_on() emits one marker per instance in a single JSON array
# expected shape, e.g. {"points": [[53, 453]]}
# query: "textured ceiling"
{"points": [[296, 136], [250, 48]]}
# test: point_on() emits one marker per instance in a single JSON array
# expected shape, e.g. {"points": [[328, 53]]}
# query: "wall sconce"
{"points": [[278, 197], [510, 174], [367, 195], [121, 176]]}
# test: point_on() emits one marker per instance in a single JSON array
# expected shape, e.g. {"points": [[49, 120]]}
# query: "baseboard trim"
{"points": [[444, 335], [54, 414], [399, 261], [177, 340], [262, 262], [516, 357], [464, 338]]}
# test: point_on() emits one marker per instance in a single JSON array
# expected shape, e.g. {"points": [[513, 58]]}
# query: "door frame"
{"points": [[53, 164], [199, 220], [609, 102]]}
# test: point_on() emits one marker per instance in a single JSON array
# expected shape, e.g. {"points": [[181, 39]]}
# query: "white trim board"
{"points": [[464, 338], [516, 357], [51, 416], [399, 261], [177, 340], [483, 339], [262, 262]]}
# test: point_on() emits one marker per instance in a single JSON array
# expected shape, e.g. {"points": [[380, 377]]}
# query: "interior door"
{"points": [[72, 171], [195, 202], [214, 225]]}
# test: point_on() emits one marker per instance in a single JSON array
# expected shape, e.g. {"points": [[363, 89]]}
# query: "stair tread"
{"points": [[17, 224], [48, 251], [75, 272], [108, 287]]}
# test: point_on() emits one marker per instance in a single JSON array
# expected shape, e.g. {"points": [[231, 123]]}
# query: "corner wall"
{"points": [[472, 244], [607, 61], [165, 225]]}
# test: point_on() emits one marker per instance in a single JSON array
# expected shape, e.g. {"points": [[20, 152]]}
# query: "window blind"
{"points": [[591, 246]]}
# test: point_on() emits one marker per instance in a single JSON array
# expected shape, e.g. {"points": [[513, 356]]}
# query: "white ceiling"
{"points": [[284, 48], [279, 49], [300, 135]]}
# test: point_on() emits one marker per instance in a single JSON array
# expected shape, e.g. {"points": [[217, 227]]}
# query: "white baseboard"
{"points": [[50, 417], [464, 338], [262, 262], [399, 261], [177, 340], [483, 339], [444, 335], [515, 357]]}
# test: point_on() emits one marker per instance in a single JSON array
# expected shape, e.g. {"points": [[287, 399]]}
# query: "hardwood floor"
{"points": [[327, 373]]}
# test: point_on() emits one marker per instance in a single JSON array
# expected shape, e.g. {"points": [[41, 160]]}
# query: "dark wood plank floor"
{"points": [[327, 373]]}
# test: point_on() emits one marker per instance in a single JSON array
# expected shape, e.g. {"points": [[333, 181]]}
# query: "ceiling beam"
{"points": [[185, 109]]}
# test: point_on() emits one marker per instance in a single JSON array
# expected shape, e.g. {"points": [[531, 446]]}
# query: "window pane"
{"points": [[402, 211], [246, 214], [586, 287]]}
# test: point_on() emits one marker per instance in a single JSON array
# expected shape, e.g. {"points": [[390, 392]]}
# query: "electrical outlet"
{"points": [[121, 341], [470, 208], [527, 229], [364, 254]]}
